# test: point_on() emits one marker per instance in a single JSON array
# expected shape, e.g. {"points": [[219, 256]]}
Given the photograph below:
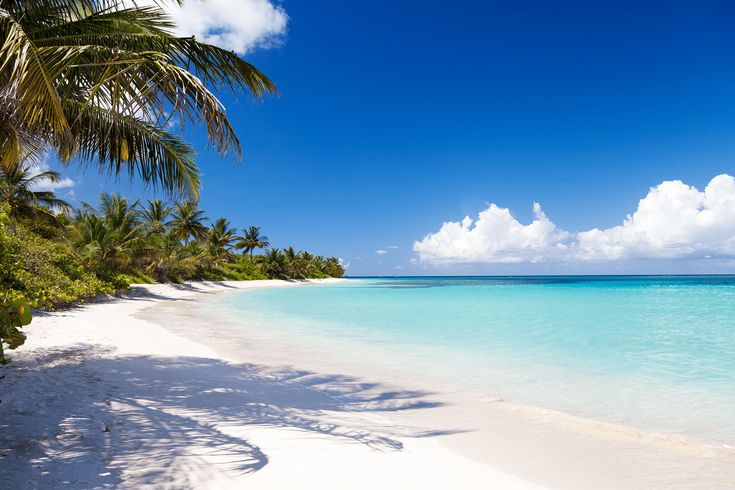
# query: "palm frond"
{"points": [[121, 143]]}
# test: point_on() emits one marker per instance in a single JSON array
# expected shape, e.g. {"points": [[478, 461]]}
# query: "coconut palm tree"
{"points": [[251, 239], [100, 246], [18, 184], [173, 261], [111, 239], [219, 239], [100, 79], [119, 213], [274, 264], [334, 268], [188, 221], [155, 216], [297, 263]]}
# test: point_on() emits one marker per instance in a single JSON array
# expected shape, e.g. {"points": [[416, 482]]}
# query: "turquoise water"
{"points": [[654, 353]]}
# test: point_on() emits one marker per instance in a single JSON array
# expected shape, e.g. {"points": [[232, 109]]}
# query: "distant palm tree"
{"points": [[173, 261], [155, 215], [294, 263], [17, 182], [274, 264], [188, 221], [333, 267], [251, 239], [119, 213], [101, 245], [219, 239]]}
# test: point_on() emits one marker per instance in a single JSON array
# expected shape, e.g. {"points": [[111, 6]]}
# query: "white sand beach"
{"points": [[100, 398], [148, 391]]}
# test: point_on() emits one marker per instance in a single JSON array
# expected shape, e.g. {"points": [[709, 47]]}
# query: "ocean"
{"points": [[651, 353]]}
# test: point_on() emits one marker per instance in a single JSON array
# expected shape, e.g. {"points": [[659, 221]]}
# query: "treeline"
{"points": [[97, 83], [52, 254]]}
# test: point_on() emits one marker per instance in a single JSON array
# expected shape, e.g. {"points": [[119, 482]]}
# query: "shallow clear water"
{"points": [[654, 353]]}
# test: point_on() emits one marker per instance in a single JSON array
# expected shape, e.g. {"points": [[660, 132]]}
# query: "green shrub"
{"points": [[243, 269], [14, 314], [44, 272]]}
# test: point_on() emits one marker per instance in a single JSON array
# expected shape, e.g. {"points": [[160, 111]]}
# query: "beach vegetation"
{"points": [[100, 84], [53, 257], [251, 239], [15, 313], [19, 191], [100, 249]]}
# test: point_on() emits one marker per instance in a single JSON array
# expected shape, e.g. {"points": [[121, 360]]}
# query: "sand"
{"points": [[99, 397]]}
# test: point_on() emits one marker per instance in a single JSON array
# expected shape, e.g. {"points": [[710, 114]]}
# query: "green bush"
{"points": [[14, 314], [243, 269], [44, 272]]}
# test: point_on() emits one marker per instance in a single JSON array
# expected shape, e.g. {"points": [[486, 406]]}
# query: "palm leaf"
{"points": [[158, 157]]}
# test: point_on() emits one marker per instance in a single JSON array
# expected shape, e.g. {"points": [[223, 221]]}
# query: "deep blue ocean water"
{"points": [[651, 352]]}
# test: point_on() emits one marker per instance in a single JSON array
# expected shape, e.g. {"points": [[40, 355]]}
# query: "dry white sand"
{"points": [[100, 398]]}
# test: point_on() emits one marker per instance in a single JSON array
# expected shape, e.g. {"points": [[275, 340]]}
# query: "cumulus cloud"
{"points": [[381, 251], [47, 185], [236, 25], [674, 220], [496, 236]]}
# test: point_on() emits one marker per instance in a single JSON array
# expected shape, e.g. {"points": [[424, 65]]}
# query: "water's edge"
{"points": [[490, 427]]}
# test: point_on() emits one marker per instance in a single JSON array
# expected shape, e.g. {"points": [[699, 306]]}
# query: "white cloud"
{"points": [[237, 25], [47, 185], [393, 247], [673, 220], [496, 236], [381, 251]]}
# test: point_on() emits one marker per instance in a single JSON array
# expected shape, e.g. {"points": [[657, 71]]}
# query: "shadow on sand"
{"points": [[76, 418]]}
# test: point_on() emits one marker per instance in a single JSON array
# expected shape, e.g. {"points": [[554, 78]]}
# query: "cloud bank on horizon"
{"points": [[674, 220], [236, 25]]}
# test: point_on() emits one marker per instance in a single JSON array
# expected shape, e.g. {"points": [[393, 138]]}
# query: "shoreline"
{"points": [[99, 397], [218, 413], [565, 450]]}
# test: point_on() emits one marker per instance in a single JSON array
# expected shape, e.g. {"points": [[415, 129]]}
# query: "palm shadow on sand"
{"points": [[168, 414]]}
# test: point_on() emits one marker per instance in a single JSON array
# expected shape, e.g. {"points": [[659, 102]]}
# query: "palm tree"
{"points": [[112, 240], [120, 214], [188, 221], [101, 247], [173, 261], [251, 239], [98, 80], [155, 215], [17, 183], [334, 268], [274, 265], [295, 266], [219, 239]]}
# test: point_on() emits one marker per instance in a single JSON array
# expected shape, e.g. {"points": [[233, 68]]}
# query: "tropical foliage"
{"points": [[14, 314], [18, 190], [251, 239], [102, 248], [99, 80]]}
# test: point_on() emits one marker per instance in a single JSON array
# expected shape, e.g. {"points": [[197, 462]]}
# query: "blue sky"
{"points": [[395, 117]]}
